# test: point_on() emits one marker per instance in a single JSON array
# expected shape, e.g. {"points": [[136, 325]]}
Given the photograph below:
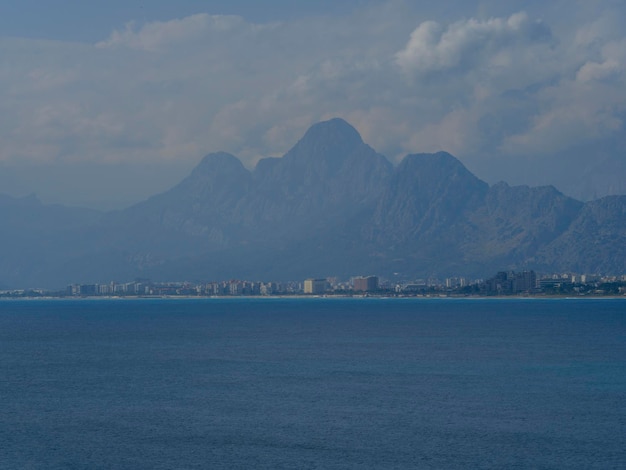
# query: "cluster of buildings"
{"points": [[359, 284], [225, 288], [510, 283], [527, 282], [502, 284], [222, 288]]}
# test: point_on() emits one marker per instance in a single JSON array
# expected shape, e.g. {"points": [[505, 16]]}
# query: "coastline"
{"points": [[310, 297]]}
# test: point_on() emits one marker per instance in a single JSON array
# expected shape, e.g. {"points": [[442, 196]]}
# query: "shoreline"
{"points": [[311, 297]]}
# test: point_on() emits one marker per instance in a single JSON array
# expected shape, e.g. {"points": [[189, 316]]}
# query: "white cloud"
{"points": [[479, 85], [598, 71], [435, 48], [153, 36]]}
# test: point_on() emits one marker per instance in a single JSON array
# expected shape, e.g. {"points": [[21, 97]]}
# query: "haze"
{"points": [[106, 103]]}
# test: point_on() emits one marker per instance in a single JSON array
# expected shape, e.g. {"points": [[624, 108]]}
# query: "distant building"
{"points": [[104, 289], [365, 284], [525, 281], [315, 286], [235, 288], [454, 282], [507, 283], [88, 289], [268, 288]]}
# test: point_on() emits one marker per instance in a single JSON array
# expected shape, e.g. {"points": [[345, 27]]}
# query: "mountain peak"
{"points": [[334, 130], [218, 163], [333, 139], [435, 166], [215, 170], [219, 158], [430, 173]]}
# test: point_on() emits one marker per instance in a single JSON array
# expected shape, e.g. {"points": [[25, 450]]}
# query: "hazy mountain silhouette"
{"points": [[330, 206]]}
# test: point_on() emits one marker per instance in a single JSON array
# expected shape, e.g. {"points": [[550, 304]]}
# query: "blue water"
{"points": [[313, 383]]}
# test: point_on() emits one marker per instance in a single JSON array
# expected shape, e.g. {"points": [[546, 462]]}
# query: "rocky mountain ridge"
{"points": [[332, 206]]}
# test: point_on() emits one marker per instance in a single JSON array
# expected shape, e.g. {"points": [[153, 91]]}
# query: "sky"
{"points": [[106, 103]]}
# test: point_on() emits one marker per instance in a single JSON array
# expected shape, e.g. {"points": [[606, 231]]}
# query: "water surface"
{"points": [[313, 383]]}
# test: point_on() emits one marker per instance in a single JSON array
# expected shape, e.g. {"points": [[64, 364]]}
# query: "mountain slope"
{"points": [[595, 241], [37, 240], [331, 206]]}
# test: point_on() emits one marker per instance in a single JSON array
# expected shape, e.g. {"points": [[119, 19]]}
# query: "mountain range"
{"points": [[331, 206]]}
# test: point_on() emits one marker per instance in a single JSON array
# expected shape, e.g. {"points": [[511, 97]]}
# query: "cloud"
{"points": [[593, 71], [435, 48], [491, 82], [153, 36]]}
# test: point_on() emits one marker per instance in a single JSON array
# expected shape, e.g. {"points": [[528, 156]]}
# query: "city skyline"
{"points": [[505, 283]]}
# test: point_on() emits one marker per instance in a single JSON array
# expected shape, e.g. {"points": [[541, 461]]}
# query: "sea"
{"points": [[313, 383]]}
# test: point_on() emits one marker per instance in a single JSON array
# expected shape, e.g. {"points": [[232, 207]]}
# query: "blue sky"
{"points": [[104, 103]]}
